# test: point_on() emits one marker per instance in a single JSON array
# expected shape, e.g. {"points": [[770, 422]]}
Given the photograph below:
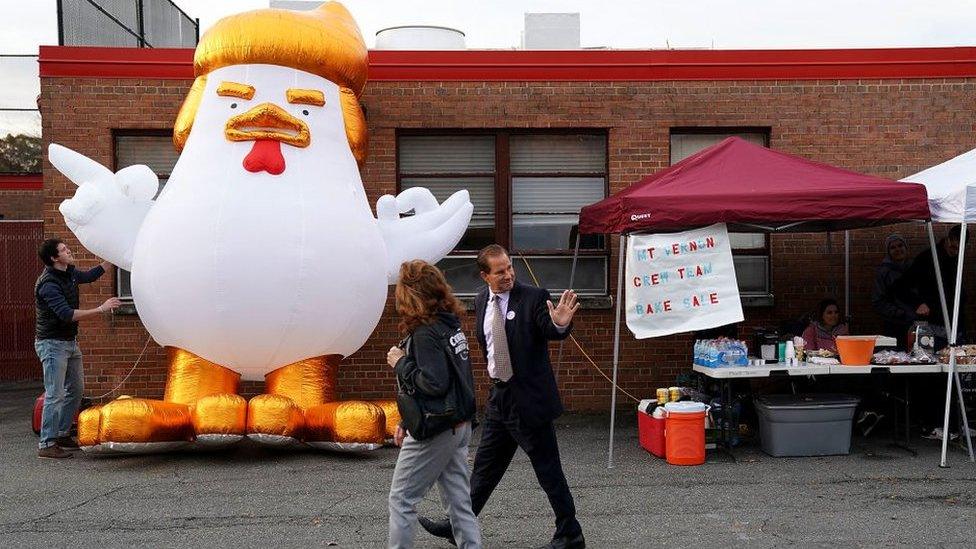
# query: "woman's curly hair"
{"points": [[421, 292]]}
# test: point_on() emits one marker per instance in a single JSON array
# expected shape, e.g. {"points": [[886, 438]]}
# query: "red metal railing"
{"points": [[19, 268]]}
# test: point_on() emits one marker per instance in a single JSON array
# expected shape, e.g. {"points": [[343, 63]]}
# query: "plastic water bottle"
{"points": [[713, 355]]}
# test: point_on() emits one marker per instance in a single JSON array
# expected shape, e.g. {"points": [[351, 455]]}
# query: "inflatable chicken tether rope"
{"points": [[261, 258]]}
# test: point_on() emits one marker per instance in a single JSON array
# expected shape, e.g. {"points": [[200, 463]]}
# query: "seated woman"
{"points": [[823, 330]]}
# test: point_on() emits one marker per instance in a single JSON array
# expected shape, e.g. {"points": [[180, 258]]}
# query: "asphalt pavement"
{"points": [[251, 496]]}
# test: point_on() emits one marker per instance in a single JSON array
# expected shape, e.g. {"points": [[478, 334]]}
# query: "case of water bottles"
{"points": [[721, 353]]}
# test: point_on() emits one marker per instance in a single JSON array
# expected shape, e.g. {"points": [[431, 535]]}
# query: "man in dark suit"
{"points": [[515, 323]]}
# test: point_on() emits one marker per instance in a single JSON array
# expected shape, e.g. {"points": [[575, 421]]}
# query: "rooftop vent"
{"points": [[419, 37], [551, 31]]}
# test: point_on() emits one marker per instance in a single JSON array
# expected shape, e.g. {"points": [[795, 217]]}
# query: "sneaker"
{"points": [[67, 443], [438, 528], [52, 452], [936, 434]]}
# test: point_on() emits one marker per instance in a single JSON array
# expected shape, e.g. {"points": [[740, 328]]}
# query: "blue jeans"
{"points": [[64, 384]]}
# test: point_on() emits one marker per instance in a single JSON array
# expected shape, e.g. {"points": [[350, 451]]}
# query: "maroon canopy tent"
{"points": [[751, 187]]}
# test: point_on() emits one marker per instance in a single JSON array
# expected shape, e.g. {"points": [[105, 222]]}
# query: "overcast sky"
{"points": [[720, 24]]}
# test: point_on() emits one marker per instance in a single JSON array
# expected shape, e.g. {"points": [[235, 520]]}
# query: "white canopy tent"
{"points": [[951, 189]]}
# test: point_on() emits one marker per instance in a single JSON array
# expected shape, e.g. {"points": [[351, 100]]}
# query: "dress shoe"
{"points": [[575, 542], [67, 443], [52, 452], [438, 528]]}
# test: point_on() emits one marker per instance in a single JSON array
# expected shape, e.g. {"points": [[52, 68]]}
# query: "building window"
{"points": [[154, 149], [750, 251], [527, 189], [20, 120]]}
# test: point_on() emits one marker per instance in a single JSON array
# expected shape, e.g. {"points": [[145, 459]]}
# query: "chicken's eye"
{"points": [[233, 105], [305, 112]]}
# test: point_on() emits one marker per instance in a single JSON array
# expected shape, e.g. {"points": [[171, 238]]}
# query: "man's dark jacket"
{"points": [[61, 286], [533, 383], [918, 285]]}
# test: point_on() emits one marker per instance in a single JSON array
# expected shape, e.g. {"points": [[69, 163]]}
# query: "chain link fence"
{"points": [[126, 23]]}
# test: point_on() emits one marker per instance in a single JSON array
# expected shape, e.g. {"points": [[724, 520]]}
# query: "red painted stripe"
{"points": [[79, 61], [21, 182], [644, 65], [577, 65]]}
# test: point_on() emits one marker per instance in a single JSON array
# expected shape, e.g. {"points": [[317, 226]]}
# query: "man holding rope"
{"points": [[515, 323], [57, 301]]}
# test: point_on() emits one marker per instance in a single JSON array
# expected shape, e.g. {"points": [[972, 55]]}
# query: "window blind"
{"points": [[155, 151], [446, 154], [558, 153], [555, 194]]}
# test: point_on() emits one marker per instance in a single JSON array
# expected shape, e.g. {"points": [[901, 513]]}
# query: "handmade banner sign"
{"points": [[260, 259], [680, 282]]}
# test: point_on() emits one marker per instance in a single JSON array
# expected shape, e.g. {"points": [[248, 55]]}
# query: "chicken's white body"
{"points": [[285, 266], [250, 270]]}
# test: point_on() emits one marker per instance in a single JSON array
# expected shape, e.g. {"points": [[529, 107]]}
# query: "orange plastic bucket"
{"points": [[855, 350], [684, 435]]}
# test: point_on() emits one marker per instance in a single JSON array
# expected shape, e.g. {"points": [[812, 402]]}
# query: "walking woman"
{"points": [[436, 401]]}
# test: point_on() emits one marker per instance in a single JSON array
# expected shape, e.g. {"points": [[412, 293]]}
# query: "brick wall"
{"points": [[21, 204], [889, 128]]}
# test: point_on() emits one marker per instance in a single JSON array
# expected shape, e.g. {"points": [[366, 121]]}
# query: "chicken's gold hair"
{"points": [[324, 41]]}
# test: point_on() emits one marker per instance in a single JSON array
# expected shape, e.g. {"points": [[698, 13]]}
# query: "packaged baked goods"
{"points": [[965, 354]]}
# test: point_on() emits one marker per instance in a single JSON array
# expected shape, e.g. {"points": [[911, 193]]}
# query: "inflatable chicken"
{"points": [[261, 257]]}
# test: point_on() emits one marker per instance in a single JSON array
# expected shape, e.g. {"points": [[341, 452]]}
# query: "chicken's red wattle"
{"points": [[265, 156]]}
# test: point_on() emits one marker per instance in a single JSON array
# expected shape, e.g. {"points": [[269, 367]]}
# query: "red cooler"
{"points": [[39, 410], [650, 433]]}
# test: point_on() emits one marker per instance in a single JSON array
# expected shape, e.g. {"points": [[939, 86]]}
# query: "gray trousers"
{"points": [[442, 459]]}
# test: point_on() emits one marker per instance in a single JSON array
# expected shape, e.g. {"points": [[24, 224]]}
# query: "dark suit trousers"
{"points": [[502, 433]]}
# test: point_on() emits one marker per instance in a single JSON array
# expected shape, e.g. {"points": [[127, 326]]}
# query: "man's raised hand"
{"points": [[562, 313]]}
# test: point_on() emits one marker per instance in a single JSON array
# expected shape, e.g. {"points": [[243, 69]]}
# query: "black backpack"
{"points": [[424, 416]]}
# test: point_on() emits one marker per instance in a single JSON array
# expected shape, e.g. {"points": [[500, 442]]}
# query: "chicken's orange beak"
{"points": [[268, 121]]}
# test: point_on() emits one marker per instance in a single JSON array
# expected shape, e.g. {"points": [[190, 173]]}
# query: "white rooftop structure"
{"points": [[551, 31]]}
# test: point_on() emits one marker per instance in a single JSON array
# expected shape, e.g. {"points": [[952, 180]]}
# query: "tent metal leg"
{"points": [[955, 301], [965, 420], [948, 403], [847, 275], [901, 407], [953, 375], [948, 326], [622, 251], [572, 278], [938, 275], [955, 335], [572, 270]]}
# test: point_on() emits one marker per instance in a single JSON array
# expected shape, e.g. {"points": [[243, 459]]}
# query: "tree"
{"points": [[20, 154]]}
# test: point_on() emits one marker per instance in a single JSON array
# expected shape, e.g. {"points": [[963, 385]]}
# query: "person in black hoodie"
{"points": [[433, 367], [896, 315]]}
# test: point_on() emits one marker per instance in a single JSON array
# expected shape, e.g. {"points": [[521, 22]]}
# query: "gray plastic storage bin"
{"points": [[806, 425]]}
